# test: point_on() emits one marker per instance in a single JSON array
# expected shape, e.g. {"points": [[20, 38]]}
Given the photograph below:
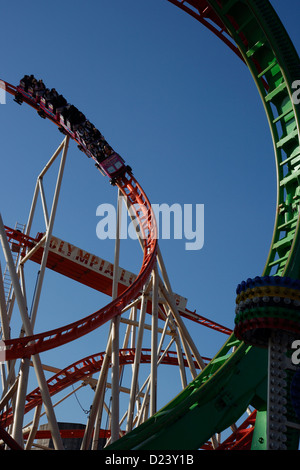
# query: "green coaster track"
{"points": [[237, 375]]}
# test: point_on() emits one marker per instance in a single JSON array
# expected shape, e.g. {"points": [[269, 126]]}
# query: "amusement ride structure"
{"points": [[252, 375]]}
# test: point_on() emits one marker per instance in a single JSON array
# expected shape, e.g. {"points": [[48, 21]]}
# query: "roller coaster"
{"points": [[253, 370]]}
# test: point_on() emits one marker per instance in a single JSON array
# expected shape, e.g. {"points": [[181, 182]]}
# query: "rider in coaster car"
{"points": [[26, 81], [73, 115], [39, 88], [50, 96], [107, 150], [59, 103], [53, 98], [33, 87]]}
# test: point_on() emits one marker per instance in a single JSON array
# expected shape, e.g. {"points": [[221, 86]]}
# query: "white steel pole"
{"points": [[32, 209], [36, 191], [49, 230], [181, 363], [153, 379], [49, 222], [34, 427], [4, 328], [136, 365], [23, 381], [98, 398], [95, 441], [20, 402], [3, 309], [111, 356], [115, 367], [44, 204], [29, 332], [167, 293]]}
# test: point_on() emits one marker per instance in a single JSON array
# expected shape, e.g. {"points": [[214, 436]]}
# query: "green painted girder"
{"points": [[234, 380], [211, 403], [274, 65]]}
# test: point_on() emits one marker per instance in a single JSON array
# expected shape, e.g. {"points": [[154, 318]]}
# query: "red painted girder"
{"points": [[29, 345], [129, 187], [85, 368], [241, 439], [202, 11], [67, 434], [193, 316], [91, 279]]}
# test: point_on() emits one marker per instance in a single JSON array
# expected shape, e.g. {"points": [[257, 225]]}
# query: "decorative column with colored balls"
{"points": [[268, 316]]}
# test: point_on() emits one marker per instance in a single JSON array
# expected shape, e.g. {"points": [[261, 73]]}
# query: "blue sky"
{"points": [[184, 113]]}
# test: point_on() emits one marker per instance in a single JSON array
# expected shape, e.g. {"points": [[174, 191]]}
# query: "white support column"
{"points": [[50, 227], [133, 317], [3, 310], [136, 364], [98, 398], [29, 332], [95, 441], [44, 203], [23, 381], [181, 363], [129, 332], [37, 187], [34, 427], [115, 368], [20, 402], [22, 389], [186, 338], [176, 337], [153, 377], [112, 348], [143, 411]]}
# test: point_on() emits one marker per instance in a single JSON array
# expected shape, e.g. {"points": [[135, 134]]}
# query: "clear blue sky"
{"points": [[184, 113]]}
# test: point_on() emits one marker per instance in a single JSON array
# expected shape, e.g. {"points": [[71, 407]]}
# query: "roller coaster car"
{"points": [[47, 108], [113, 166], [27, 94], [18, 98]]}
